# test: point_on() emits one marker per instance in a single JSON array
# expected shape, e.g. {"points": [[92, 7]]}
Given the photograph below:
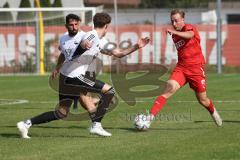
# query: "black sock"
{"points": [[103, 105], [44, 117], [92, 116], [75, 103]]}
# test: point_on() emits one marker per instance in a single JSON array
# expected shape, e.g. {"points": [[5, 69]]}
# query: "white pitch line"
{"points": [[143, 101], [22, 101], [13, 101], [217, 101]]}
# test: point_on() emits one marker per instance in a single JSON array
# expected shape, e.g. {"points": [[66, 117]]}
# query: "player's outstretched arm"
{"points": [[60, 61], [123, 52], [185, 35], [86, 44]]}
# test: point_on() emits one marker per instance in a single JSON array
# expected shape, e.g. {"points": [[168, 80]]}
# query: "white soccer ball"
{"points": [[141, 122]]}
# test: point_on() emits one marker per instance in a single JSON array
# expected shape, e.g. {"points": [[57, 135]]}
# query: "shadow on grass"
{"points": [[53, 127], [231, 121], [9, 135], [152, 129], [224, 121], [229, 110], [64, 136], [17, 136], [55, 135], [128, 129]]}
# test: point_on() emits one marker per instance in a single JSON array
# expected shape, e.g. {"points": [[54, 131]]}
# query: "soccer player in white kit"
{"points": [[78, 52]]}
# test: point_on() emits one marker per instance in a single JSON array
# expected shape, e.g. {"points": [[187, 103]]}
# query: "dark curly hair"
{"points": [[72, 16]]}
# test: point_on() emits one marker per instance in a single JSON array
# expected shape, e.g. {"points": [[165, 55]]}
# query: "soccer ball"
{"points": [[141, 122]]}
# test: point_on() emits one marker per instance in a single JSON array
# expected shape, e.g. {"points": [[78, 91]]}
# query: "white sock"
{"points": [[28, 123]]}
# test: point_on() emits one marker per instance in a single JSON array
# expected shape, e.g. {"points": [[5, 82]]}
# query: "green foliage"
{"points": [[28, 16], [49, 65], [57, 3], [6, 16], [46, 15], [52, 18], [59, 20], [45, 3], [174, 3]]}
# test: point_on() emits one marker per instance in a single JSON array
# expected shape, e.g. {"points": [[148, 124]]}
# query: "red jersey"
{"points": [[189, 50]]}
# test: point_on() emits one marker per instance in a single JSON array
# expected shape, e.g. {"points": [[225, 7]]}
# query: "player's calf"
{"points": [[24, 126], [208, 104], [104, 103], [96, 117]]}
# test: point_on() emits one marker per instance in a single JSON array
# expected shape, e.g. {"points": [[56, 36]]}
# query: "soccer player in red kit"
{"points": [[189, 69]]}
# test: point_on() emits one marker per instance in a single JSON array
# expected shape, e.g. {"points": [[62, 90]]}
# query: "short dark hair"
{"points": [[101, 19], [72, 16], [178, 11]]}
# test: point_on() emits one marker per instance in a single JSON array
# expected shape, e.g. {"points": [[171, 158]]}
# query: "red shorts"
{"points": [[194, 75]]}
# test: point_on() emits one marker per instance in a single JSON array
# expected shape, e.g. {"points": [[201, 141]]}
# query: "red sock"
{"points": [[210, 108], [158, 105]]}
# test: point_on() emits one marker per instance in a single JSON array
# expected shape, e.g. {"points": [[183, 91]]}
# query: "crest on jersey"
{"points": [[68, 51]]}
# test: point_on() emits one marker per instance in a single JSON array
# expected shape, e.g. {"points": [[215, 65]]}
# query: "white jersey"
{"points": [[69, 45], [85, 60]]}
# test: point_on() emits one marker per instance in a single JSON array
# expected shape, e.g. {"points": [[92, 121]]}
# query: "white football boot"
{"points": [[216, 117], [23, 128], [96, 128]]}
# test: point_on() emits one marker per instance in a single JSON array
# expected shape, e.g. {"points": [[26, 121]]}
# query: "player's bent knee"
{"points": [[106, 88], [61, 113], [111, 91], [174, 84], [91, 107], [172, 87]]}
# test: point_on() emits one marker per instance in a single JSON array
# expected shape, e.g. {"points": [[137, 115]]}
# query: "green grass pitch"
{"points": [[183, 131]]}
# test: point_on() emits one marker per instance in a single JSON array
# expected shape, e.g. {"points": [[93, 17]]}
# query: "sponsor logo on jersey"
{"points": [[179, 44]]}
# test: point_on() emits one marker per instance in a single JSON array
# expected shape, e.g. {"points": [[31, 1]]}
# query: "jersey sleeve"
{"points": [[102, 43], [60, 46], [188, 28], [89, 36]]}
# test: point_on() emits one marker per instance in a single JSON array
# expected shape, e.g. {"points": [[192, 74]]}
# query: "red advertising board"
{"points": [[16, 40]]}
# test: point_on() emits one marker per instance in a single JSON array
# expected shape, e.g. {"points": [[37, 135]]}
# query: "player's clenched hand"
{"points": [[54, 73], [143, 42], [170, 31], [86, 44]]}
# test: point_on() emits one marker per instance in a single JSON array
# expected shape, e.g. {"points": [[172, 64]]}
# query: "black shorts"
{"points": [[70, 88]]}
